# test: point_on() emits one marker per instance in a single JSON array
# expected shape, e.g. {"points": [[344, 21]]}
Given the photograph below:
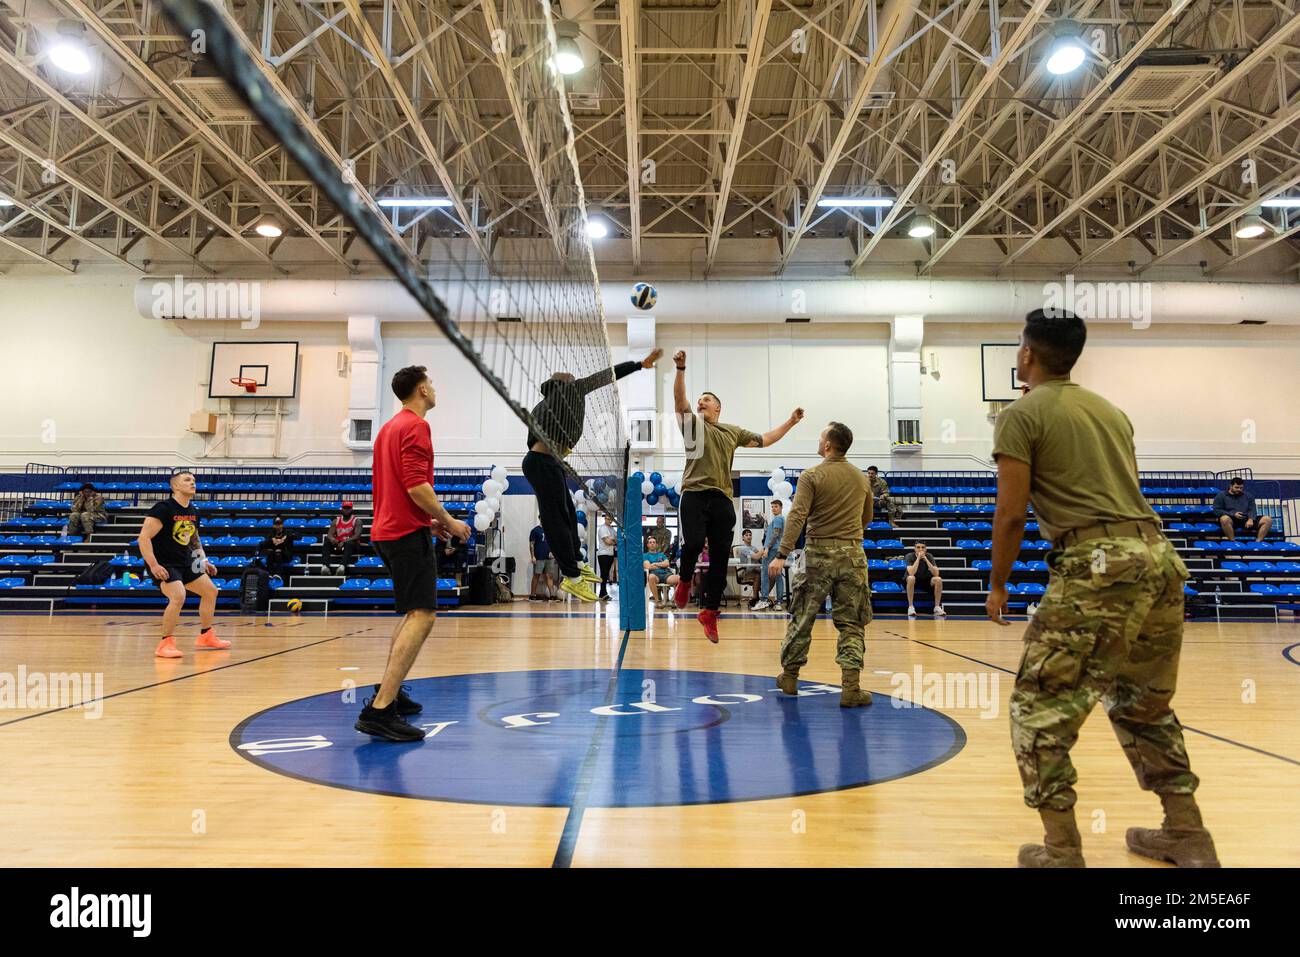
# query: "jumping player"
{"points": [[561, 414], [707, 513], [169, 544]]}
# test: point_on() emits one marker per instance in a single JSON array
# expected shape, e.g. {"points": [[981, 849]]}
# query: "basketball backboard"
{"points": [[998, 371], [272, 365]]}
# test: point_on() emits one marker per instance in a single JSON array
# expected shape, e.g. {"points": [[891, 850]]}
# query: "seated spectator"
{"points": [[452, 557], [1235, 509], [341, 541], [546, 568], [747, 572], [924, 572], [87, 509], [658, 571], [881, 502], [276, 550]]}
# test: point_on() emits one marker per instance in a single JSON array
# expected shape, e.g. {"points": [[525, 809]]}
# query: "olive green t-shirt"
{"points": [[709, 451], [1079, 448]]}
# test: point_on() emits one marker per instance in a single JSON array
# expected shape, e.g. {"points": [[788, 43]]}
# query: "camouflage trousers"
{"points": [[1109, 629], [839, 569]]}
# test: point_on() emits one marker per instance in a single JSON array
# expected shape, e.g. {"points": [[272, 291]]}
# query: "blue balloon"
{"points": [[661, 489], [656, 478], [582, 518], [598, 484], [652, 498], [602, 497], [639, 477]]}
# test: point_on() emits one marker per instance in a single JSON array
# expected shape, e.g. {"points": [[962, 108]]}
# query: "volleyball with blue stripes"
{"points": [[644, 296]]}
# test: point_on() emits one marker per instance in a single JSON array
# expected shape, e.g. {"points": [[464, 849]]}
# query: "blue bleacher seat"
{"points": [[218, 522], [1189, 590], [382, 583], [1289, 589], [1033, 588], [11, 582], [307, 540], [982, 565], [873, 564], [1019, 566], [374, 561], [1262, 567], [318, 523], [879, 526], [943, 508], [295, 523], [969, 543], [1261, 588], [1037, 565], [980, 526], [968, 509], [886, 587], [1287, 566], [897, 564], [250, 540], [355, 584], [1234, 566], [447, 584], [955, 526]]}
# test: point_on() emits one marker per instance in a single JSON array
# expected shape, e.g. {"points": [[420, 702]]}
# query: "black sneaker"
{"points": [[386, 723], [405, 703]]}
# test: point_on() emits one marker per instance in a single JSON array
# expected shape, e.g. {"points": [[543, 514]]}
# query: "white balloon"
{"points": [[494, 503], [482, 521], [772, 484], [492, 488], [647, 487], [778, 475], [678, 489], [785, 506], [499, 474], [486, 487], [784, 490], [481, 507]]}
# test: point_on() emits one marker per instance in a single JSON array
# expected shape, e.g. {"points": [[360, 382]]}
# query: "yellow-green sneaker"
{"points": [[585, 571], [579, 588]]}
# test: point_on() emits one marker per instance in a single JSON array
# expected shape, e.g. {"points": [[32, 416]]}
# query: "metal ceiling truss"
{"points": [[708, 122]]}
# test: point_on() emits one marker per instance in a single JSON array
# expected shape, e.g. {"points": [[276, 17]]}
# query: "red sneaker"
{"points": [[682, 594], [709, 619]]}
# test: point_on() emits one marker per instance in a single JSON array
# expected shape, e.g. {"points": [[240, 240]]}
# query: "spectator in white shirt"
{"points": [[606, 550]]}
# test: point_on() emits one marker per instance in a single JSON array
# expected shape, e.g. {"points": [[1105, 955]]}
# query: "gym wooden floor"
{"points": [[155, 781]]}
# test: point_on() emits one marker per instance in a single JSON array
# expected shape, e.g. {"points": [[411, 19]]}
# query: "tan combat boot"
{"points": [[1062, 845], [851, 696], [1182, 840], [788, 681]]}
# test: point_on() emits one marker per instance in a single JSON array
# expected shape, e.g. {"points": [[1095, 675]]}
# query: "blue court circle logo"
{"points": [[635, 739]]}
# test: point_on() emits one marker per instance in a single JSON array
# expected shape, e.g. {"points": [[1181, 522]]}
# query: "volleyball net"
{"points": [[521, 305]]}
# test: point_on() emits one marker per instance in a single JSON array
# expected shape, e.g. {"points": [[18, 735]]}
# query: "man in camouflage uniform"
{"points": [[883, 502], [1110, 626], [834, 499]]}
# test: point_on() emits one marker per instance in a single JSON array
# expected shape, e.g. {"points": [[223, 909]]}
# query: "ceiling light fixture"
{"points": [[269, 227], [1282, 202], [414, 202], [856, 202], [1067, 52], [568, 55], [922, 225], [597, 228], [1251, 226], [69, 51]]}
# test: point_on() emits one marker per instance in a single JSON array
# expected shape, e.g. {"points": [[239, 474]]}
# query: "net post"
{"points": [[631, 561]]}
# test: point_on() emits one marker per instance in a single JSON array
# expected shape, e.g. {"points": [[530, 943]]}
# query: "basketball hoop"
{"points": [[249, 385]]}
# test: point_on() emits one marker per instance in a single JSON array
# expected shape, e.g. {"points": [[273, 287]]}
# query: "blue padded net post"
{"points": [[631, 562]]}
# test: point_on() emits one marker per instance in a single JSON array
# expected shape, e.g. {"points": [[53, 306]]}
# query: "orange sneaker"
{"points": [[209, 639], [167, 648]]}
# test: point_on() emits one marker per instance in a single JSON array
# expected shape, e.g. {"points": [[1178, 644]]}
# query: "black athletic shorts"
{"points": [[412, 562], [181, 573]]}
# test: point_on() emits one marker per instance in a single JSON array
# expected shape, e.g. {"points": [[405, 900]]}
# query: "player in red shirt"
{"points": [[407, 514]]}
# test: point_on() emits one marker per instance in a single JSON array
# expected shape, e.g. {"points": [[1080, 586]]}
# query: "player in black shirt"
{"points": [[169, 544], [562, 414]]}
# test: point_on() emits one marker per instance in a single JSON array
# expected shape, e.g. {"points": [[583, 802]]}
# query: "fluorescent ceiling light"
{"points": [[857, 202], [413, 202], [1282, 202], [5, 202]]}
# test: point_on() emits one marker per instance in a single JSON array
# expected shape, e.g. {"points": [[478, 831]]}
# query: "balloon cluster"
{"points": [[486, 508], [655, 486], [781, 488]]}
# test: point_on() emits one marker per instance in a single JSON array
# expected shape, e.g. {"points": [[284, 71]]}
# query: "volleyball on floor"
{"points": [[644, 296], [294, 604]]}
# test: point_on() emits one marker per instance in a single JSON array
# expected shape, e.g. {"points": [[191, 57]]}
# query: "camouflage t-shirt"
{"points": [[1079, 448], [709, 450]]}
